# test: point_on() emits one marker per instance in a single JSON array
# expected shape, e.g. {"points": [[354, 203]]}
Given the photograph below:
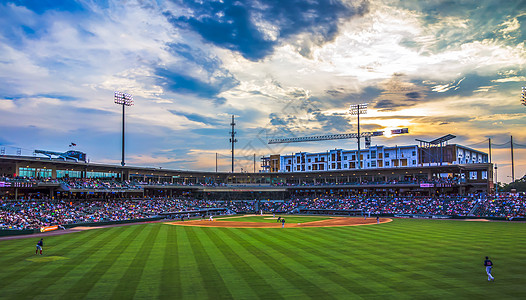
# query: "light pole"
{"points": [[496, 181], [523, 96], [124, 100], [358, 109], [233, 140]]}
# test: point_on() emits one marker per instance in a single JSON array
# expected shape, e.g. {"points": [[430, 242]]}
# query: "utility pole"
{"points": [[216, 162], [496, 181], [233, 140], [490, 150], [254, 162], [357, 109], [512, 163]]}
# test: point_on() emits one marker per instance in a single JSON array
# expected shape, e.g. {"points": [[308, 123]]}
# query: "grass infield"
{"points": [[405, 259], [269, 219]]}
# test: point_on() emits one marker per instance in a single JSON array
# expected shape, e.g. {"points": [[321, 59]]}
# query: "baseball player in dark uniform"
{"points": [[283, 223], [40, 244], [489, 264]]}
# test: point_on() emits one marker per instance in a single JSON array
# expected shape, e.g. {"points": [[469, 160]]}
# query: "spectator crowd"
{"points": [[32, 214]]}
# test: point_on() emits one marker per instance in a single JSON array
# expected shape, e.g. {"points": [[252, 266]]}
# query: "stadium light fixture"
{"points": [[123, 99], [523, 96], [358, 109]]}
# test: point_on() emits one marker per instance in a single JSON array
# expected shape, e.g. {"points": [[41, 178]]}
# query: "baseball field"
{"points": [[402, 259]]}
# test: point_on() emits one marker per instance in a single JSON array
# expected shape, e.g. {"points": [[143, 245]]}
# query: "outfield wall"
{"points": [[10, 232]]}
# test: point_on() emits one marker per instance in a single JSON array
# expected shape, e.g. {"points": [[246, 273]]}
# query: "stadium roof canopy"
{"points": [[439, 140]]}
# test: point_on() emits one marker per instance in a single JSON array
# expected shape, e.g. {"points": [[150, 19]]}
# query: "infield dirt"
{"points": [[332, 222]]}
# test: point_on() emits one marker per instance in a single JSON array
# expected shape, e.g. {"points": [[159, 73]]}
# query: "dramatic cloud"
{"points": [[253, 28], [283, 68]]}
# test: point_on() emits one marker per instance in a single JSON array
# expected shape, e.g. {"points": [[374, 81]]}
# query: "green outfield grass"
{"points": [[289, 219], [405, 259]]}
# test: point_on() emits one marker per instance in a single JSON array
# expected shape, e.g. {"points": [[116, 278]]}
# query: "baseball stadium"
{"points": [[108, 231], [418, 201]]}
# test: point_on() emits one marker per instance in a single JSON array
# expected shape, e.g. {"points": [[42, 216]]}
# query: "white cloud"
{"points": [[119, 48]]}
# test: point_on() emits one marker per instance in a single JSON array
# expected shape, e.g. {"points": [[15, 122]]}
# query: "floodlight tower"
{"points": [[358, 109], [523, 96], [124, 100], [233, 140]]}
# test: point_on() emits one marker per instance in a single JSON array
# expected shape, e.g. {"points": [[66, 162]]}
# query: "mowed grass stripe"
{"points": [[306, 264], [260, 265], [148, 285], [399, 253], [11, 246], [85, 283], [211, 276], [125, 288], [111, 278], [280, 263], [36, 269], [192, 282], [322, 262], [170, 285], [369, 264], [233, 250], [403, 264], [28, 246], [242, 278], [53, 278]]}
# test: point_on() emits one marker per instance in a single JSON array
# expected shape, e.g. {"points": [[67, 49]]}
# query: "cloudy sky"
{"points": [[283, 67]]}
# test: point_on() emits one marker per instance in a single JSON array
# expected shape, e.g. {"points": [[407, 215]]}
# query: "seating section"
{"points": [[31, 214]]}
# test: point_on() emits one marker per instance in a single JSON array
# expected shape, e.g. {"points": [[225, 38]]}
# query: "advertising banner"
{"points": [[48, 228]]}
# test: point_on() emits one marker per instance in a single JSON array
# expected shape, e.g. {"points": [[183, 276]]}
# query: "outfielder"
{"points": [[488, 264], [40, 244]]}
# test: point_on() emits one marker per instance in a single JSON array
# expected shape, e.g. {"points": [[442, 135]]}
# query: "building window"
{"points": [[69, 174], [100, 175], [387, 163], [414, 162], [387, 155], [44, 173], [26, 172]]}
